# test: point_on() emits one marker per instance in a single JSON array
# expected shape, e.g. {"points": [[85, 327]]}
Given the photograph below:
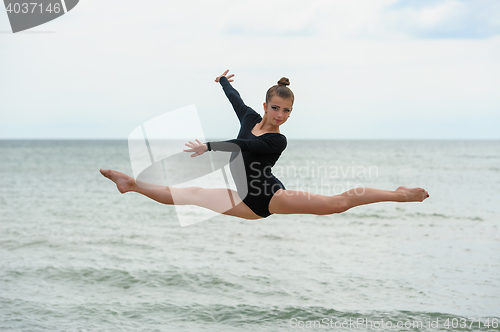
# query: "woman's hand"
{"points": [[217, 79], [198, 148]]}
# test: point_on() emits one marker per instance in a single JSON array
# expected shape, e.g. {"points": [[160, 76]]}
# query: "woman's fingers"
{"points": [[196, 153], [217, 79], [194, 147], [193, 144]]}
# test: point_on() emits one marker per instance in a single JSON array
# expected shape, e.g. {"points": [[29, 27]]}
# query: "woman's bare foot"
{"points": [[123, 182], [413, 194]]}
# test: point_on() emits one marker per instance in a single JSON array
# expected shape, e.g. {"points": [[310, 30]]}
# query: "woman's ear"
{"points": [[265, 107]]}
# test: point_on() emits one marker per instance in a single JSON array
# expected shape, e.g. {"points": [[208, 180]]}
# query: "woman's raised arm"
{"points": [[234, 97]]}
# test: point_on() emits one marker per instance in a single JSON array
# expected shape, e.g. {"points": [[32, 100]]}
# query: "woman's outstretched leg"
{"points": [[291, 201], [224, 201], [126, 183]]}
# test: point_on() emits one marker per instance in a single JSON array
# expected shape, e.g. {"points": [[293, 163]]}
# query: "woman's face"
{"points": [[278, 110]]}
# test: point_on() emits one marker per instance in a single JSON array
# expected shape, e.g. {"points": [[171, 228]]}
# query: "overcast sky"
{"points": [[360, 69]]}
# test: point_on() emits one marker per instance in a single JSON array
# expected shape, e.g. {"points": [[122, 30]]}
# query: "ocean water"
{"points": [[75, 255]]}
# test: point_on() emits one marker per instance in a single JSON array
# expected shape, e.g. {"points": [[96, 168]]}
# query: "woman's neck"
{"points": [[266, 126]]}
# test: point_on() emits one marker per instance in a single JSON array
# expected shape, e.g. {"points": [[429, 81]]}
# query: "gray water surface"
{"points": [[75, 254]]}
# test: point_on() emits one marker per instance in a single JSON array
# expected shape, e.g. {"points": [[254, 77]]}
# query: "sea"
{"points": [[76, 255]]}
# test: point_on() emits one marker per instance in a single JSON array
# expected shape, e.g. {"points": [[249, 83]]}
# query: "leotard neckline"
{"points": [[262, 134]]}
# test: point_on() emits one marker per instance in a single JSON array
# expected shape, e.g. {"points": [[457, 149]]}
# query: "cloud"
{"points": [[443, 19], [363, 19], [367, 19], [110, 65]]}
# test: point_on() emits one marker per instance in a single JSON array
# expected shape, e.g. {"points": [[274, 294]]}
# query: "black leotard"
{"points": [[259, 153]]}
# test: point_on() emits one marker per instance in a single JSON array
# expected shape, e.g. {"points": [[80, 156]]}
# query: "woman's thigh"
{"points": [[301, 202], [220, 200]]}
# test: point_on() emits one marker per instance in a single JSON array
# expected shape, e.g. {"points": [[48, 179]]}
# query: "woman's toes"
{"points": [[104, 172]]}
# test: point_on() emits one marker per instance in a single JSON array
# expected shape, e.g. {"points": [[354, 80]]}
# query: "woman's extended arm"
{"points": [[267, 144]]}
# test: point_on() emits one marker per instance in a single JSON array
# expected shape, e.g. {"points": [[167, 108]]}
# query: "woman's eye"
{"points": [[274, 107]]}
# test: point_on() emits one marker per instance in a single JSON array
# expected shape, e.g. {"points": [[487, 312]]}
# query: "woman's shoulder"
{"points": [[251, 113], [276, 138], [250, 118]]}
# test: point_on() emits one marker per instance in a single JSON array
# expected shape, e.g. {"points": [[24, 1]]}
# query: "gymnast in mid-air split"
{"points": [[260, 144]]}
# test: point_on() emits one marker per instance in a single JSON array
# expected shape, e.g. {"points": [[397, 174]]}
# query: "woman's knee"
{"points": [[338, 204], [194, 190]]}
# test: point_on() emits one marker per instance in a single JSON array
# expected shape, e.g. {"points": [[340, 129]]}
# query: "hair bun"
{"points": [[284, 81]]}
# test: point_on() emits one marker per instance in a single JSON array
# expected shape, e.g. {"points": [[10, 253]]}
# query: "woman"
{"points": [[261, 144]]}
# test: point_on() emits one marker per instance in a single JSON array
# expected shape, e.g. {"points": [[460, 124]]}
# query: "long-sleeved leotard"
{"points": [[260, 153]]}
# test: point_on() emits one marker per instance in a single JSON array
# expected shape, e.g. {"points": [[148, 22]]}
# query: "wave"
{"points": [[143, 315], [443, 216]]}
